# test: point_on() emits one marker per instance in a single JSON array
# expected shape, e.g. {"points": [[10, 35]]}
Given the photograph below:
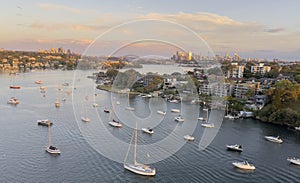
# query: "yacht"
{"points": [[161, 112], [52, 150], [189, 137], [115, 123], [179, 118], [274, 139], [294, 160], [44, 122], [235, 147], [13, 101], [244, 165], [135, 167], [148, 130], [175, 110]]}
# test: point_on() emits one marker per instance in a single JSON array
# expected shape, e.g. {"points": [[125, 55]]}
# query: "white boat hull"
{"points": [[207, 125], [175, 110], [115, 124], [294, 161], [189, 138], [140, 169], [274, 139], [53, 151], [146, 130], [243, 166]]}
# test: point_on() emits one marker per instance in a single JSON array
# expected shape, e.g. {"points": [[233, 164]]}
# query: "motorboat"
{"points": [[115, 123], [118, 103], [13, 101], [161, 112], [294, 160], [53, 150], [174, 101], [244, 165], [235, 147], [189, 137], [44, 122], [85, 119], [208, 125], [175, 110], [95, 105], [297, 128], [274, 139], [179, 118], [148, 130]]}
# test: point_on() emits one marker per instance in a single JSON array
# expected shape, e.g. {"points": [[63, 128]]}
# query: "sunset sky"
{"points": [[258, 28]]}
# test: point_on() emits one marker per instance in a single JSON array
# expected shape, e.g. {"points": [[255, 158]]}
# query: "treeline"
{"points": [[283, 104]]}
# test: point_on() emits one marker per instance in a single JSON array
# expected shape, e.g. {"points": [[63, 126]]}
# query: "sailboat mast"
{"points": [[135, 142], [49, 135]]}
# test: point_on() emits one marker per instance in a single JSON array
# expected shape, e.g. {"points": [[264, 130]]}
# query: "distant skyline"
{"points": [[264, 29]]}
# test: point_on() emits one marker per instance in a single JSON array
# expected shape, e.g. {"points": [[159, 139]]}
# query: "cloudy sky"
{"points": [[258, 28]]}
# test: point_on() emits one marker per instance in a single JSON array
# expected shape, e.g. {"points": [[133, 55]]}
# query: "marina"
{"points": [[22, 152]]}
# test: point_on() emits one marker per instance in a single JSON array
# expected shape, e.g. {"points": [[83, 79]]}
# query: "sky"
{"points": [[258, 28]]}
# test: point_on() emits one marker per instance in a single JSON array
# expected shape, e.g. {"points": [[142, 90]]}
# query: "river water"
{"points": [[93, 152]]}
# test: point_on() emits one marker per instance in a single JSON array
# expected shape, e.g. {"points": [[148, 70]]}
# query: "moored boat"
{"points": [[295, 161], [148, 130], [14, 87], [179, 118], [274, 139], [13, 101], [161, 112], [44, 122], [235, 147], [244, 165], [189, 137], [115, 123], [175, 110]]}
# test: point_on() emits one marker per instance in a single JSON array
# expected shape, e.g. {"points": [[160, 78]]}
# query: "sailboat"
{"points": [[114, 123], [84, 118], [50, 148], [136, 167], [128, 105], [13, 86], [207, 124]]}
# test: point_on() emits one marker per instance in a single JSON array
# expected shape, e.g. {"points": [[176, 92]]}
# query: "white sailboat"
{"points": [[84, 117], [113, 122], [129, 108], [50, 148], [207, 124], [136, 167]]}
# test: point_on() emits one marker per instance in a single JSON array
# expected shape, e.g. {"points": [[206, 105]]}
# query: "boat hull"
{"points": [[294, 161], [140, 169], [242, 166]]}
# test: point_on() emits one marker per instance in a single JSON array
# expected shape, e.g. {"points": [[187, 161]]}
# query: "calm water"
{"points": [[83, 145]]}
